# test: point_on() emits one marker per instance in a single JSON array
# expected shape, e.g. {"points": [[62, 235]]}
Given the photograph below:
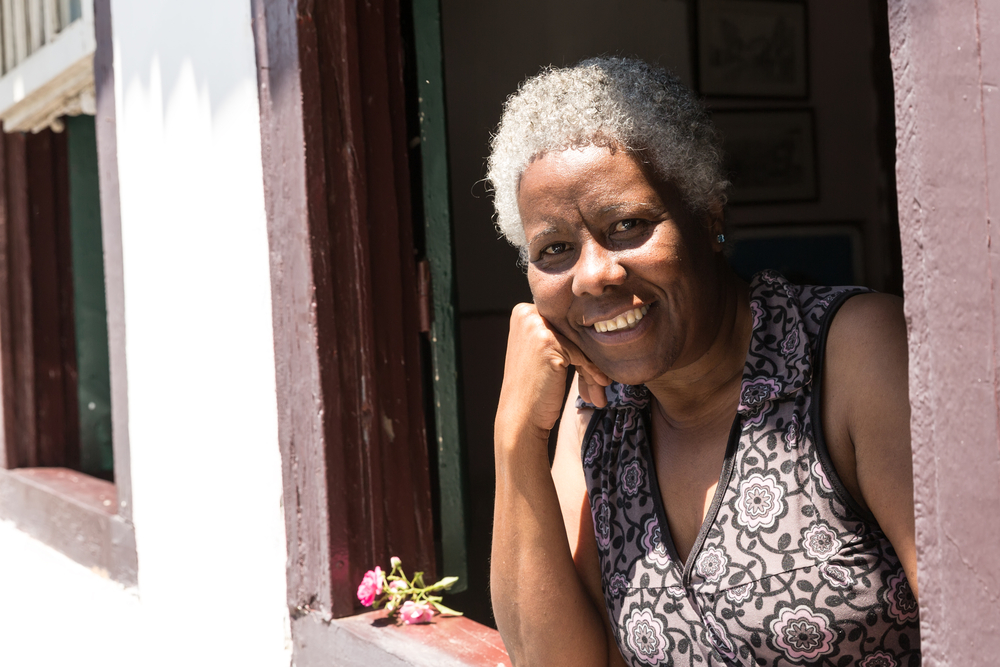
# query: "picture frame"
{"points": [[770, 155], [813, 253], [753, 48]]}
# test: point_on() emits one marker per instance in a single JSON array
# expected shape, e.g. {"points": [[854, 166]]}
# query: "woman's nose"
{"points": [[597, 268]]}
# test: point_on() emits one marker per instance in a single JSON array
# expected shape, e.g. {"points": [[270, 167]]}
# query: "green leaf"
{"points": [[446, 611]]}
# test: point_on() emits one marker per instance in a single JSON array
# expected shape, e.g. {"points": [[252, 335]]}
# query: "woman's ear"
{"points": [[715, 221]]}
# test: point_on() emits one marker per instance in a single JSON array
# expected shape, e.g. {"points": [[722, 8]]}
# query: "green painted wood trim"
{"points": [[438, 238], [90, 308]]}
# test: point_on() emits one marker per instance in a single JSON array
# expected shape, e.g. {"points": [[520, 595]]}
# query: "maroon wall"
{"points": [[946, 62]]}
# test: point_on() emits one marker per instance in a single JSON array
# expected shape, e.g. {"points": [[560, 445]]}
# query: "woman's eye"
{"points": [[626, 225]]}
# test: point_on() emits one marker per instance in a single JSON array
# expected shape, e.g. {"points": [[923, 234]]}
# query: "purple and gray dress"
{"points": [[787, 568]]}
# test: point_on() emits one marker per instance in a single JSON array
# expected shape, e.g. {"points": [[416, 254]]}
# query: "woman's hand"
{"points": [[534, 381]]}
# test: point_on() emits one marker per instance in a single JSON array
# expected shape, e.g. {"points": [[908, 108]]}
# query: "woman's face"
{"points": [[617, 264]]}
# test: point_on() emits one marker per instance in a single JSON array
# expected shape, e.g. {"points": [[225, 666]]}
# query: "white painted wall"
{"points": [[206, 470]]}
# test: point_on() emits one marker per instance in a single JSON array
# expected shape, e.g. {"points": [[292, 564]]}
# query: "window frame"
{"points": [[953, 387], [85, 518], [344, 298]]}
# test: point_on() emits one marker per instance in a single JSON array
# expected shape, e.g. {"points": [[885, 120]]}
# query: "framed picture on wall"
{"points": [[816, 253], [770, 156], [752, 48]]}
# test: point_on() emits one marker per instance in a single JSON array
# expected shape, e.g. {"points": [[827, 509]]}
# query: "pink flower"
{"points": [[803, 635], [761, 502], [602, 520], [820, 541], [656, 550], [371, 586], [755, 397], [416, 612], [397, 585], [758, 313], [646, 637], [712, 564], [902, 604], [879, 659]]}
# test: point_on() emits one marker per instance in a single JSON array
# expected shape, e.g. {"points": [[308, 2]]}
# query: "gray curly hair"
{"points": [[615, 102]]}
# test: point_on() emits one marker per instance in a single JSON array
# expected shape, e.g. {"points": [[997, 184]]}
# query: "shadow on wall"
{"points": [[172, 71]]}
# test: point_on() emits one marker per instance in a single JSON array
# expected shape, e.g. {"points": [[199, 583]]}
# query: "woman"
{"points": [[732, 480]]}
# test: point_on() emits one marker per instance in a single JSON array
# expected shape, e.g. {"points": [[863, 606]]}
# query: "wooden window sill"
{"points": [[370, 639], [73, 513]]}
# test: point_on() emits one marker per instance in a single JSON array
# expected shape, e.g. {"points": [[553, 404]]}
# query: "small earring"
{"points": [[721, 238]]}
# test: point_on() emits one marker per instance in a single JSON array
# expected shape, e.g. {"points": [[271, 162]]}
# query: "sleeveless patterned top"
{"points": [[787, 568]]}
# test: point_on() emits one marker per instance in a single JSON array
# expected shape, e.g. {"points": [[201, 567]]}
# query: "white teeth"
{"points": [[624, 321]]}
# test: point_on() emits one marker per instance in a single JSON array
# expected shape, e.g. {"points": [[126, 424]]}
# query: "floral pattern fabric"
{"points": [[787, 569]]}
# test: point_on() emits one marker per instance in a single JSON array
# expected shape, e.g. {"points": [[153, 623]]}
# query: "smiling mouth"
{"points": [[627, 320]]}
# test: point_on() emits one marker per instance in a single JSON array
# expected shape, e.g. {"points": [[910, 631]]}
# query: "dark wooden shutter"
{"points": [[37, 340], [347, 346]]}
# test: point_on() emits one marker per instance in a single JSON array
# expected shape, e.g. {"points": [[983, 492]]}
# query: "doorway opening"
{"points": [[802, 91]]}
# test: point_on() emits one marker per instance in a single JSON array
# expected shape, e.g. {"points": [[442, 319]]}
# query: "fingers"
{"points": [[591, 393], [534, 340], [592, 380], [586, 367]]}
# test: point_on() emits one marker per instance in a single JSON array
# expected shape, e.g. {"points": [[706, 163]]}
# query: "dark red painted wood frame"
{"points": [[343, 272], [85, 518]]}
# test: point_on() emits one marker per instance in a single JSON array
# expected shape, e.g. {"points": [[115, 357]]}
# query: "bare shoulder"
{"points": [[865, 400], [872, 320], [866, 415], [867, 350]]}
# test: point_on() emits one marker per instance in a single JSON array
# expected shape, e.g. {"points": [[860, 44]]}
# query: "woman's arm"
{"points": [[544, 611], [571, 487], [865, 390]]}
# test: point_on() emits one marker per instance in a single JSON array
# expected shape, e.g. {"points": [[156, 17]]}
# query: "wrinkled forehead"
{"points": [[591, 181]]}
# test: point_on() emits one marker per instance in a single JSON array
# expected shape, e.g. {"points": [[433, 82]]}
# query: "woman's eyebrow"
{"points": [[546, 231], [646, 207]]}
